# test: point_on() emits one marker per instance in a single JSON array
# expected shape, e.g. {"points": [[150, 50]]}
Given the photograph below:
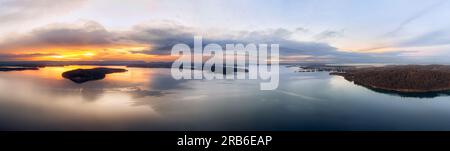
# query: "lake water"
{"points": [[149, 99]]}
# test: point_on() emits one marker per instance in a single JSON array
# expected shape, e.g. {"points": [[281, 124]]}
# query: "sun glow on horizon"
{"points": [[90, 54]]}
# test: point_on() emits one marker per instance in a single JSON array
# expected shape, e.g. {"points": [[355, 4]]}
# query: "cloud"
{"points": [[301, 29], [414, 17], [433, 38], [328, 34], [8, 57], [157, 38], [83, 33], [161, 36]]}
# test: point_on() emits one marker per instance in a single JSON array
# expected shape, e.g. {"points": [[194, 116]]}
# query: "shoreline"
{"points": [[403, 79], [7, 69]]}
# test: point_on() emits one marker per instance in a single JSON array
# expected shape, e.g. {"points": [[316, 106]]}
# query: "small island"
{"points": [[404, 78], [84, 75], [6, 69]]}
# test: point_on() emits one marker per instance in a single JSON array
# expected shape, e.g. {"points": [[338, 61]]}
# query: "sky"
{"points": [[334, 31]]}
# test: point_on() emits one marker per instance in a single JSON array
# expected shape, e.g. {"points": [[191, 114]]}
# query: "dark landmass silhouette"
{"points": [[132, 64], [67, 63], [151, 65], [225, 69], [6, 69], [405, 79], [85, 75]]}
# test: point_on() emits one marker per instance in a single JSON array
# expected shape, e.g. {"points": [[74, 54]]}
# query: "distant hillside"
{"points": [[408, 78]]}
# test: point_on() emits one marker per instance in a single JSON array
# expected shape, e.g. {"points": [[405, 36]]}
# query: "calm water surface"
{"points": [[149, 99]]}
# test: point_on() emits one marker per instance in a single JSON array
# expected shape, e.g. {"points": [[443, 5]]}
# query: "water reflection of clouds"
{"points": [[138, 93], [166, 83], [155, 101], [137, 83], [156, 85]]}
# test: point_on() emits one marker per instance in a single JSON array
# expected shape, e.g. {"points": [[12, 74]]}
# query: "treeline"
{"points": [[403, 78]]}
